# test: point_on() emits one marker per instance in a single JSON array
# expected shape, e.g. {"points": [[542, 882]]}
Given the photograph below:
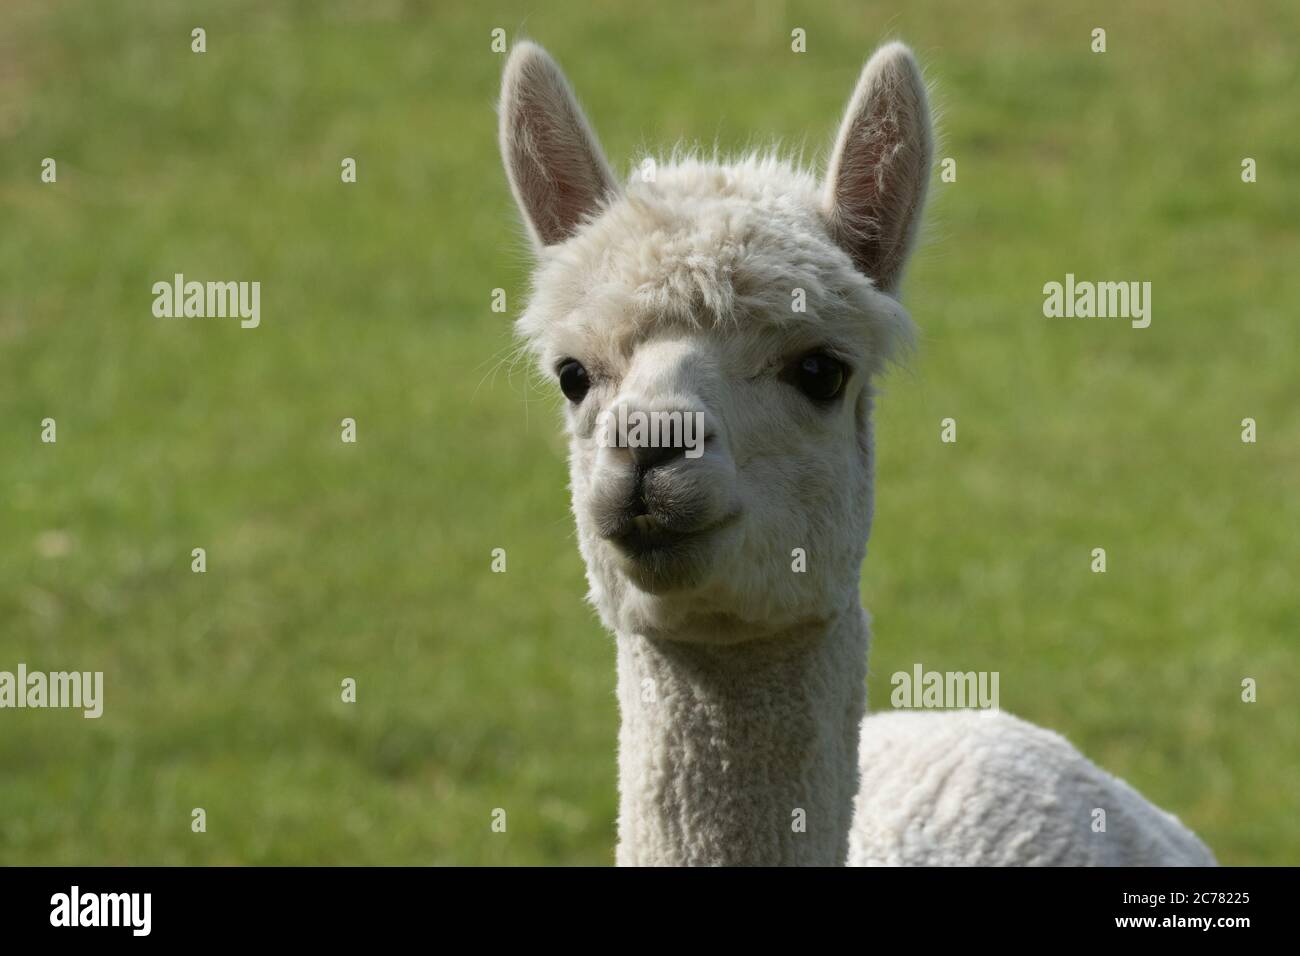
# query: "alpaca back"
{"points": [[975, 788]]}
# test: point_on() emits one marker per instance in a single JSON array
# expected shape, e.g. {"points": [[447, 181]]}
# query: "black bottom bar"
{"points": [[334, 906]]}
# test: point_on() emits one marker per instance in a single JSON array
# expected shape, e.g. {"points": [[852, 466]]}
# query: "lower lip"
{"points": [[642, 544], [648, 540]]}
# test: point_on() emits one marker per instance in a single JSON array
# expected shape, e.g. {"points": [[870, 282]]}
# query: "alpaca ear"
{"points": [[557, 171], [880, 168]]}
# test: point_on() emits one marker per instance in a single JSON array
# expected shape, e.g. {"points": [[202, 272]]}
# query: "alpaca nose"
{"points": [[651, 456]]}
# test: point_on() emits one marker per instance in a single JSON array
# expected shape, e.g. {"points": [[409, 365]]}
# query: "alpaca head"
{"points": [[738, 312]]}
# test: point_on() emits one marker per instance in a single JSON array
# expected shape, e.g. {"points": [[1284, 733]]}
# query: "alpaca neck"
{"points": [[722, 745]]}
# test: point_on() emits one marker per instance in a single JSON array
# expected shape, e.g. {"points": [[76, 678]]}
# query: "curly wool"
{"points": [[983, 788]]}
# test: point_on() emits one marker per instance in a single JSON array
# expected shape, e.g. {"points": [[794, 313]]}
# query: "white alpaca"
{"points": [[765, 301]]}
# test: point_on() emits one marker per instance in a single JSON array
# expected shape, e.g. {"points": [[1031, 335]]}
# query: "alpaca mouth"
{"points": [[642, 536], [649, 541], [659, 559]]}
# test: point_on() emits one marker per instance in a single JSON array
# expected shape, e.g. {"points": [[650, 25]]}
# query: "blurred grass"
{"points": [[478, 690]]}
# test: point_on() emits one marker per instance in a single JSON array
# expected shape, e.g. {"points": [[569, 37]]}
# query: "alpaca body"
{"points": [[744, 754], [980, 788], [762, 301]]}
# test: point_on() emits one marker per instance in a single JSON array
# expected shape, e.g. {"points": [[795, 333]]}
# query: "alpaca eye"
{"points": [[573, 380], [819, 376]]}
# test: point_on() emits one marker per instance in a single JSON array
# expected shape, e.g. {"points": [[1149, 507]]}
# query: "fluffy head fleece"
{"points": [[760, 301]]}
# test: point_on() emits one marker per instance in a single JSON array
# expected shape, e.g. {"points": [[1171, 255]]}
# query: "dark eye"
{"points": [[573, 380], [819, 376]]}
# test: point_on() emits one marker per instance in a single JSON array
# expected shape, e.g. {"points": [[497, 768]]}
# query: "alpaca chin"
{"points": [[676, 569]]}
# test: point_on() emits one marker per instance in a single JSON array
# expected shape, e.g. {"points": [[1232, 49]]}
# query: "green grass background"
{"points": [[480, 690]]}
